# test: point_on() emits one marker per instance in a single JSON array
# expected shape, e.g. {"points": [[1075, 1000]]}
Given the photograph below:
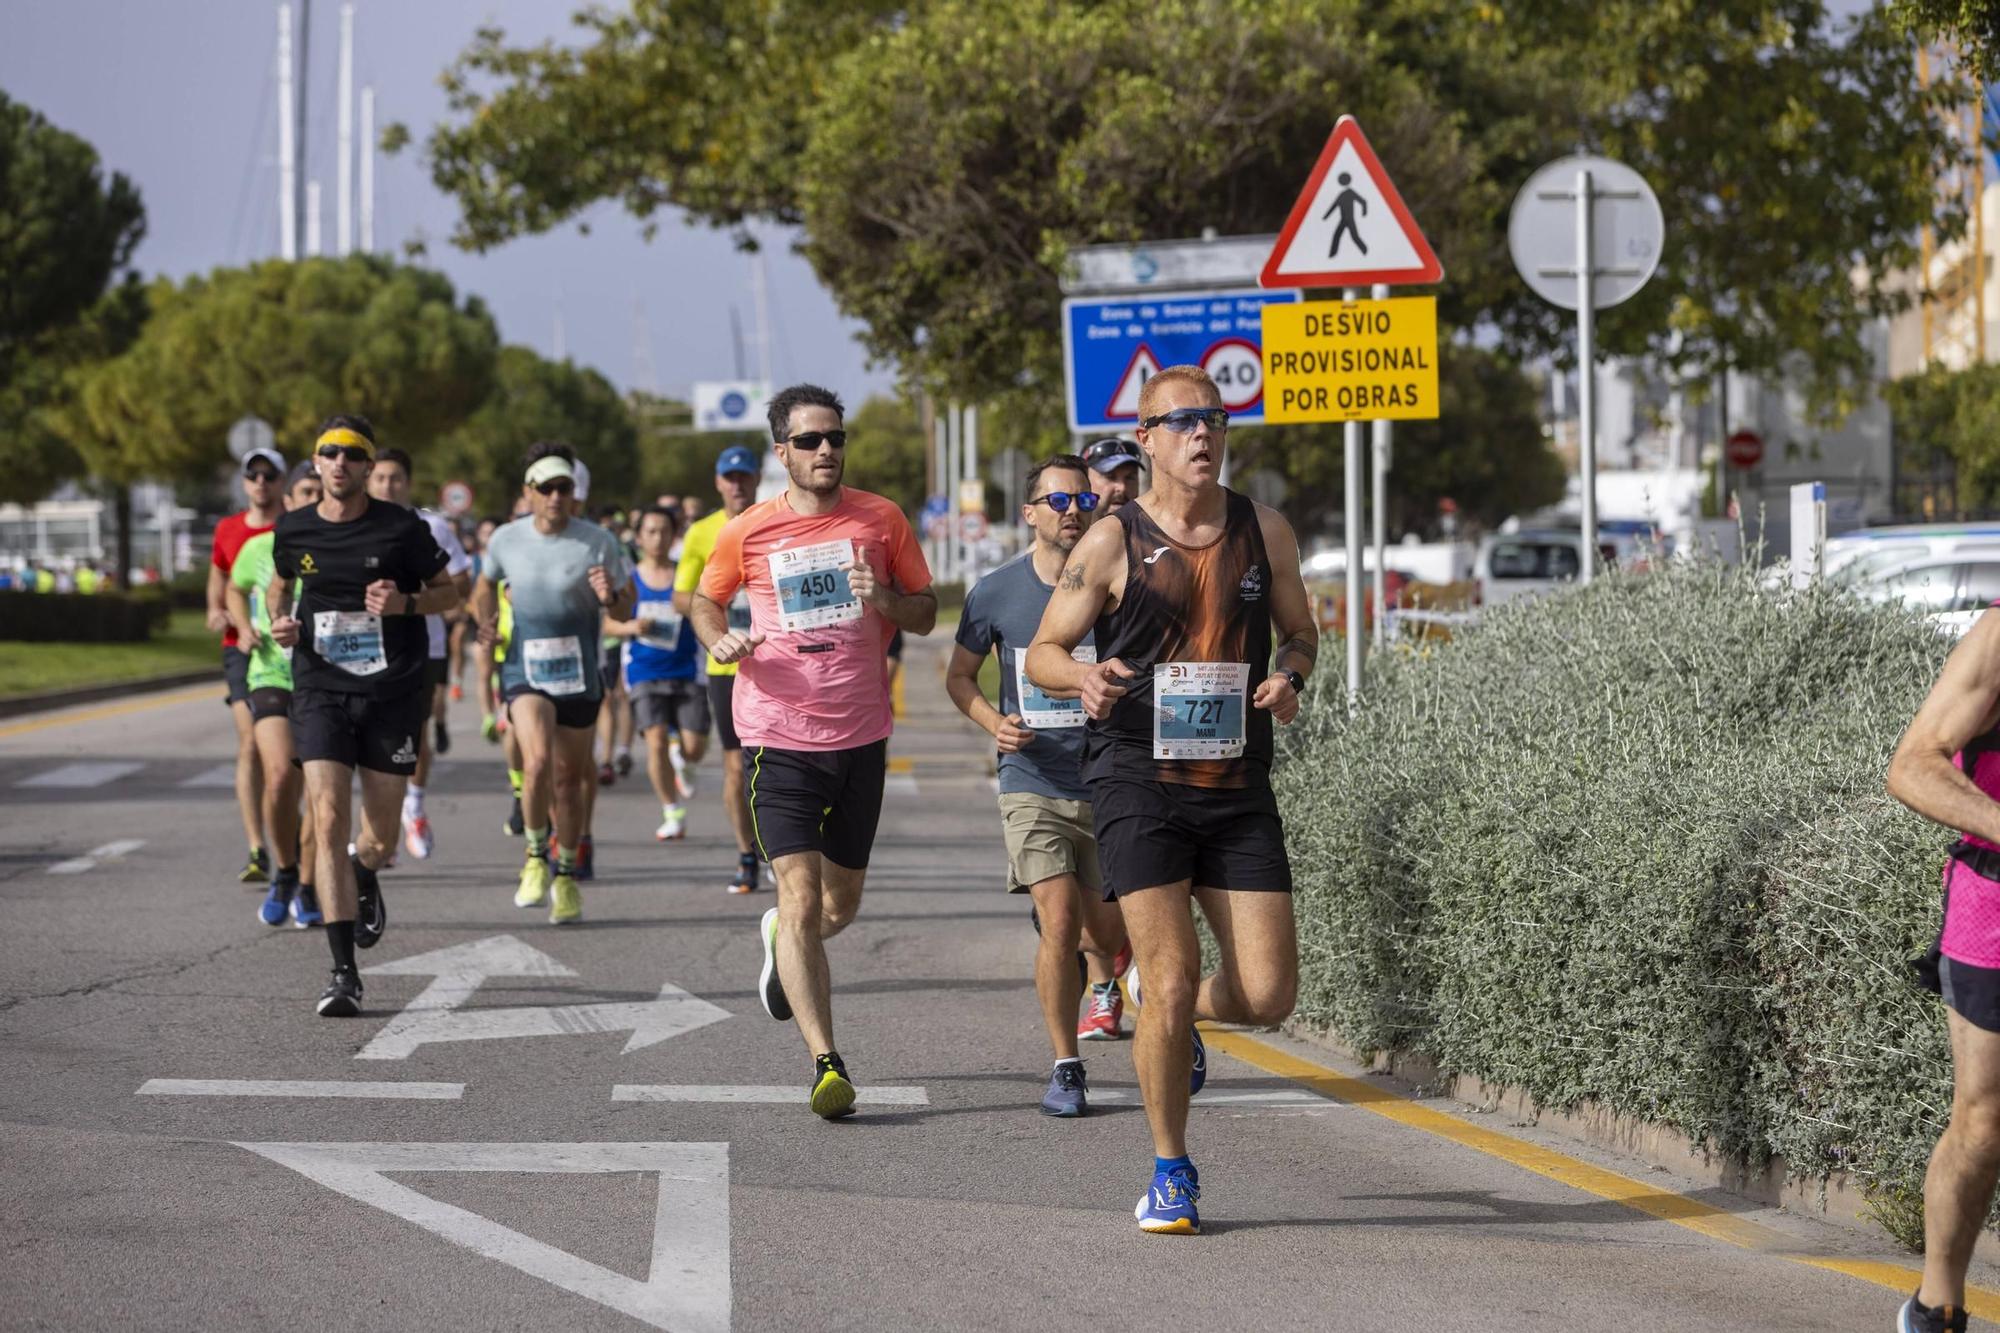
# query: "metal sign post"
{"points": [[1379, 510], [1352, 432], [1586, 233]]}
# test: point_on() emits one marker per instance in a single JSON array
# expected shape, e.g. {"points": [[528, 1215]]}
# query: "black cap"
{"points": [[1111, 453]]}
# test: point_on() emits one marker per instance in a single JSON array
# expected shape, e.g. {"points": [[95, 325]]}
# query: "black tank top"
{"points": [[1185, 604]]}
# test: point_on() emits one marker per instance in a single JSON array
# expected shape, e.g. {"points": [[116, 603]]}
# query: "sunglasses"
{"points": [[264, 475], [811, 440], [1060, 501], [1183, 420], [353, 453], [556, 486]]}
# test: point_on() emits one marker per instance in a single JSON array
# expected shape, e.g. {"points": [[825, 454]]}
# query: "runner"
{"points": [[1044, 804], [615, 719], [586, 854], [1184, 590], [270, 682], [736, 475], [365, 572], [1947, 769], [485, 676], [832, 573], [1114, 471], [263, 485], [389, 482], [669, 702], [562, 574]]}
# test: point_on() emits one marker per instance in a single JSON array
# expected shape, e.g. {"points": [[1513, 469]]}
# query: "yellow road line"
{"points": [[112, 710], [1678, 1209]]}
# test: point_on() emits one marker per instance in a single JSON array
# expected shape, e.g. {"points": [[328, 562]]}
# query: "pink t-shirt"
{"points": [[820, 679]]}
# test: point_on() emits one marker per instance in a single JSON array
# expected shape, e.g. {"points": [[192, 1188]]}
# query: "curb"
{"points": [[51, 700]]}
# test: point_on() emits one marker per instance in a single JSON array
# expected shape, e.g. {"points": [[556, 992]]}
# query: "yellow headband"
{"points": [[354, 439], [554, 465]]}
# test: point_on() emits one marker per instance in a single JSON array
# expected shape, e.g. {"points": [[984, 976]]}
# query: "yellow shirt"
{"points": [[696, 548]]}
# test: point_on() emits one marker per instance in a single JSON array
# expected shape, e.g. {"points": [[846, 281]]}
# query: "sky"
{"points": [[181, 96]]}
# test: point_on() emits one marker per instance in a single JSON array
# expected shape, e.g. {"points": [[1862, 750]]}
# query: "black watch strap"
{"points": [[1298, 681]]}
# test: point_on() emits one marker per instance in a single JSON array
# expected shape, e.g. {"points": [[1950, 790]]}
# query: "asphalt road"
{"points": [[531, 1172]]}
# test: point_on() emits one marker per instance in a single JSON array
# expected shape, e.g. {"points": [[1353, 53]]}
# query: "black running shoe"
{"points": [[1915, 1318], [257, 870], [441, 736], [832, 1094], [515, 826], [770, 989], [342, 997], [373, 917]]}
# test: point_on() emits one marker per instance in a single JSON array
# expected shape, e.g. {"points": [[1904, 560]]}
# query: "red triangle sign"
{"points": [[1125, 398], [1350, 227]]}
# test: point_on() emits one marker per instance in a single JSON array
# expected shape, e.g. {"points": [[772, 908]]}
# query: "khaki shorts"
{"points": [[1047, 837]]}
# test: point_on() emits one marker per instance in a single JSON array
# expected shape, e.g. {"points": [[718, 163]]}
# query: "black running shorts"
{"points": [[681, 705], [575, 711], [825, 801], [360, 732], [721, 691], [1151, 833], [236, 675], [1973, 992], [436, 671], [270, 701]]}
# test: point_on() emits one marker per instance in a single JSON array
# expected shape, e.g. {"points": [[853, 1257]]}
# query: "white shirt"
{"points": [[456, 562]]}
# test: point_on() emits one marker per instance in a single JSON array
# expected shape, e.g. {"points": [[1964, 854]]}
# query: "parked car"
{"points": [[1857, 556], [1533, 561], [1951, 592]]}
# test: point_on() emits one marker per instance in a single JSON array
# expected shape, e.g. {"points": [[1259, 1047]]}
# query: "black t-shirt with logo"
{"points": [[342, 647]]}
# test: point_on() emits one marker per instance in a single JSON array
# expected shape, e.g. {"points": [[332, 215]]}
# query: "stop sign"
{"points": [[1744, 448]]}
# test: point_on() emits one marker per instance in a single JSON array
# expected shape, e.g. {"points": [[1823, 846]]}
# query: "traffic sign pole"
{"points": [[1586, 369], [1355, 482], [1379, 503]]}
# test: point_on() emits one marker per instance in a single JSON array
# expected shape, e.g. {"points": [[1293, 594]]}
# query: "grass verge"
{"points": [[37, 668]]}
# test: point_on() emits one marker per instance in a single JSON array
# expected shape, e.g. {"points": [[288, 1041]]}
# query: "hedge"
{"points": [[71, 617], [1630, 844]]}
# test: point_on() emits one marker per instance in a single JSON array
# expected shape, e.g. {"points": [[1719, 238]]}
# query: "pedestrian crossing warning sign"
{"points": [[1350, 227]]}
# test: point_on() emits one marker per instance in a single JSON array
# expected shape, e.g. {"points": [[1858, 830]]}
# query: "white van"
{"points": [[1533, 561]]}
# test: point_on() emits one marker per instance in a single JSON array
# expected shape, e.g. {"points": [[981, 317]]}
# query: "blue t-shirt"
{"points": [[557, 621], [1002, 614], [670, 651]]}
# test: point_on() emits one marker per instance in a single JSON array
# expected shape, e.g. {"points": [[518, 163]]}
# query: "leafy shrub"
{"points": [[1630, 844], [68, 617]]}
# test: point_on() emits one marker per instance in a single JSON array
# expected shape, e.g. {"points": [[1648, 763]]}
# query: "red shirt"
{"points": [[230, 534]]}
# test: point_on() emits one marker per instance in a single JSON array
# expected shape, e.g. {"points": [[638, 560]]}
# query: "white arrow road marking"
{"points": [[882, 1098], [222, 775], [110, 851], [687, 1286], [298, 1087], [435, 1014]]}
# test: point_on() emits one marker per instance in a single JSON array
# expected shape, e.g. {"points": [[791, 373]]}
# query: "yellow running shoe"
{"points": [[568, 904], [832, 1094], [534, 883]]}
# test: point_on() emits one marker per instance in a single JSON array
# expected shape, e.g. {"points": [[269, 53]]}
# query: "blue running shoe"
{"points": [[1198, 1072], [1066, 1095], [277, 904], [1167, 1207], [305, 908]]}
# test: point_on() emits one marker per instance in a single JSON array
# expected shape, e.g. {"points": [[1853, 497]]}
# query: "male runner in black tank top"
{"points": [[1183, 592]]}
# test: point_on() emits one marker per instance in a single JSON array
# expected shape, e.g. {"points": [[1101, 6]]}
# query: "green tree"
{"points": [[887, 452], [536, 399], [944, 155], [1973, 26], [290, 343], [1946, 425]]}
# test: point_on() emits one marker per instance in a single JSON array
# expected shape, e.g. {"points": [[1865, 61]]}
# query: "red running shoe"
{"points": [[1104, 1019]]}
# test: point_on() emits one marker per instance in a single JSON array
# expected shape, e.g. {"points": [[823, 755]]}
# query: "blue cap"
{"points": [[736, 458]]}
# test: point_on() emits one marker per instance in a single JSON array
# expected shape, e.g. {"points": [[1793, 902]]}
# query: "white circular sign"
{"points": [[247, 434], [1627, 231], [455, 497], [1237, 367]]}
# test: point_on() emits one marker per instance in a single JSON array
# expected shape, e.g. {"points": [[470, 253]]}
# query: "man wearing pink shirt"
{"points": [[832, 573]]}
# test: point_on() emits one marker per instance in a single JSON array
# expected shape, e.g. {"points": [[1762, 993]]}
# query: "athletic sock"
{"points": [[1069, 1060], [340, 939], [288, 875], [1162, 1165], [413, 802], [515, 777], [538, 842], [565, 860], [748, 863]]}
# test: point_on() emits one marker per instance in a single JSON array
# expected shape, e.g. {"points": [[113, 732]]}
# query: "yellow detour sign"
{"points": [[1351, 360]]}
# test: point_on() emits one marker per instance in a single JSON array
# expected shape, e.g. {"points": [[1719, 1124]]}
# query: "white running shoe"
{"points": [[673, 824], [417, 836], [683, 774], [1132, 987]]}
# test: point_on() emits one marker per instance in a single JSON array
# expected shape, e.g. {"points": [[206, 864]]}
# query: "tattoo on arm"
{"points": [[1072, 576], [1304, 646]]}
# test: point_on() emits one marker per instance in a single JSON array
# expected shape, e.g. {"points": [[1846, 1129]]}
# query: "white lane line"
{"points": [[110, 851], [299, 1087], [886, 1098], [81, 775], [222, 775], [1219, 1097], [903, 784], [687, 1283]]}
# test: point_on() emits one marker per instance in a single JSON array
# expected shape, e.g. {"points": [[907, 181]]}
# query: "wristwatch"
{"points": [[410, 604], [1298, 681]]}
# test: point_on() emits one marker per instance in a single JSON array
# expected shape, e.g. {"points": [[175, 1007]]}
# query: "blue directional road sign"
{"points": [[1112, 345]]}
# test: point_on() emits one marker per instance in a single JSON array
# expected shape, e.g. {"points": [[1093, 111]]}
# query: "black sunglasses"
{"points": [[556, 486], [262, 474], [811, 440], [1183, 420], [353, 453], [1060, 500]]}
